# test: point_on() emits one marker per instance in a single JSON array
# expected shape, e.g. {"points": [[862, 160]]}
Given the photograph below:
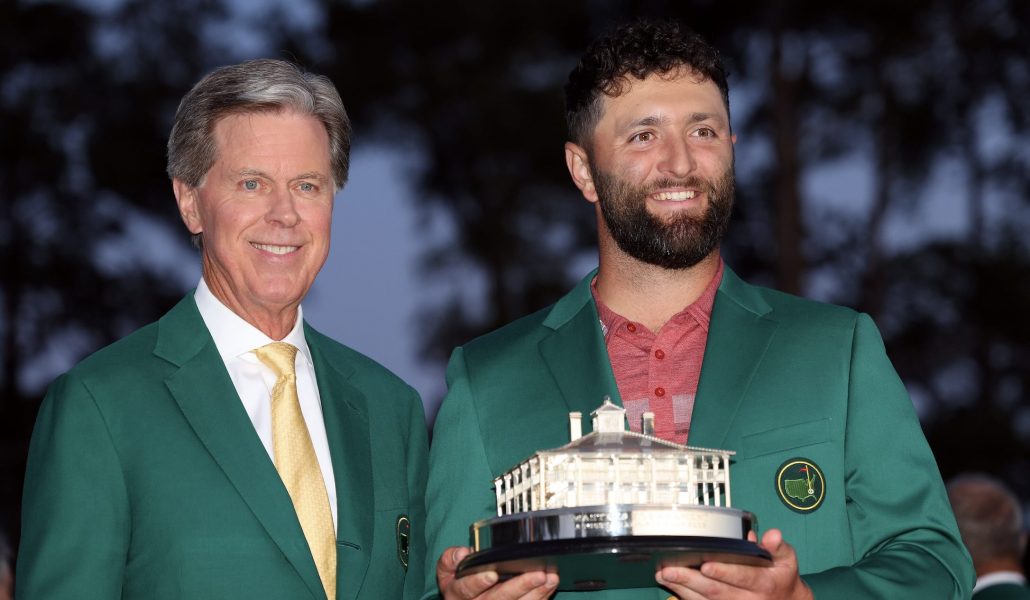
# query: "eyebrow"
{"points": [[252, 173], [659, 119], [309, 175], [258, 173], [701, 116], [648, 121]]}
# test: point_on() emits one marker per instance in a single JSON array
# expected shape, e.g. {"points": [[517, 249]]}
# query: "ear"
{"points": [[189, 209], [578, 162]]}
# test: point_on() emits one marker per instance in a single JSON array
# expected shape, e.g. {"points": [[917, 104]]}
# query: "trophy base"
{"points": [[611, 563], [611, 547]]}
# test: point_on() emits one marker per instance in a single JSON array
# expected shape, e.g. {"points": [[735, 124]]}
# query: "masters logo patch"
{"points": [[800, 485]]}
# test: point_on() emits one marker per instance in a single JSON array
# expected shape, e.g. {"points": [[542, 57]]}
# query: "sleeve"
{"points": [[906, 542], [75, 520], [458, 491], [418, 452]]}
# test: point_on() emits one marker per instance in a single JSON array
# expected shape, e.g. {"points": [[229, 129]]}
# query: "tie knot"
{"points": [[278, 356]]}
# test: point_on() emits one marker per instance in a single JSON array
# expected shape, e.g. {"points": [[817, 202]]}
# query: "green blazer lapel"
{"points": [[208, 399], [345, 410], [738, 336], [576, 355]]}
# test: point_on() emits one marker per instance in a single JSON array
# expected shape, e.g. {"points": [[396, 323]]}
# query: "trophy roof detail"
{"points": [[610, 434], [609, 418]]}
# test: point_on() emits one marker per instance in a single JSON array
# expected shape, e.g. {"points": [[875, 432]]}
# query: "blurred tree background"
{"points": [[883, 163]]}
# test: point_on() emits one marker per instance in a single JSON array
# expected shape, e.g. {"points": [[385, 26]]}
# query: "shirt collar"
{"points": [[700, 310], [998, 578], [234, 337]]}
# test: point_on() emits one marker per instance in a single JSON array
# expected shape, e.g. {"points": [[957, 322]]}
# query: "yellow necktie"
{"points": [[296, 462]]}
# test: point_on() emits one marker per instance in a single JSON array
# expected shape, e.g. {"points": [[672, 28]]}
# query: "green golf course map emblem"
{"points": [[800, 485]]}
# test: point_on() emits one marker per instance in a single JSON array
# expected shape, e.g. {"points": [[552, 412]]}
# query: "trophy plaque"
{"points": [[610, 508]]}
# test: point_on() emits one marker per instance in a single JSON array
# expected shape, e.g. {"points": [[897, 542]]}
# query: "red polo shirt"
{"points": [[658, 372]]}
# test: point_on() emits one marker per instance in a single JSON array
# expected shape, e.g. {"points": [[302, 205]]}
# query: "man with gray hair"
{"points": [[226, 451], [990, 520]]}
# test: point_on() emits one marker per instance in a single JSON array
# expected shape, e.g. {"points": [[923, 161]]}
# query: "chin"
{"points": [[280, 294]]}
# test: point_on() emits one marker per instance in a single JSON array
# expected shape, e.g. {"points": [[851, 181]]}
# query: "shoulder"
{"points": [[361, 370], [796, 324], [121, 358], [150, 352], [788, 309], [520, 332], [522, 336], [512, 348], [788, 306], [113, 379]]}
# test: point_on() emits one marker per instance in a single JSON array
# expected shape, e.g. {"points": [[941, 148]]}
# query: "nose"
{"points": [[282, 208], [677, 159]]}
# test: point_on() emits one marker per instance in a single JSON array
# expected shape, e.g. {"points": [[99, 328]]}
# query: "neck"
{"points": [[646, 293], [997, 565], [274, 326], [275, 322]]}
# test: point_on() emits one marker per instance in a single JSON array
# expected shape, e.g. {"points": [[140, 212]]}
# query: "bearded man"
{"points": [[664, 326]]}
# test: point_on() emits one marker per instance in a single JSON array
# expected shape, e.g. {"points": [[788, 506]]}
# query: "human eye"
{"points": [[307, 187], [643, 136], [705, 132], [251, 185]]}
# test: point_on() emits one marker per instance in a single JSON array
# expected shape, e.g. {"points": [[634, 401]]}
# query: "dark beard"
{"points": [[679, 243]]}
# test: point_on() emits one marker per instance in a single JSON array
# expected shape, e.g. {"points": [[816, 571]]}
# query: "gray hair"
{"points": [[263, 85], [989, 517]]}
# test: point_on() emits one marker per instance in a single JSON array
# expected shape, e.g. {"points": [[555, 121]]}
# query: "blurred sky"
{"points": [[368, 291]]}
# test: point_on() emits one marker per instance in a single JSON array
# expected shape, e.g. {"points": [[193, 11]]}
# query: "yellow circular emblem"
{"points": [[800, 485]]}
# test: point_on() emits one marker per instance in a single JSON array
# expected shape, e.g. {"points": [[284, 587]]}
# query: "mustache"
{"points": [[688, 182]]}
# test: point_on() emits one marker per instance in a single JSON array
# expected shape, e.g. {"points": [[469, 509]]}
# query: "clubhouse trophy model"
{"points": [[609, 508]]}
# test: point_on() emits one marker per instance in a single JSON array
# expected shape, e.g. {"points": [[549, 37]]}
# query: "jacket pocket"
{"points": [[788, 437]]}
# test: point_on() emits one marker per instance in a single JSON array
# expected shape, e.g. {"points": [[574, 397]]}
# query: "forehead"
{"points": [[282, 135], [670, 95]]}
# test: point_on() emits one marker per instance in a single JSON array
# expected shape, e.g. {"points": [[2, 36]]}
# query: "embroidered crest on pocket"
{"points": [[800, 485]]}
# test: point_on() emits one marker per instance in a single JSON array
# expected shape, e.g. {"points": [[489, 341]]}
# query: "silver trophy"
{"points": [[608, 509]]}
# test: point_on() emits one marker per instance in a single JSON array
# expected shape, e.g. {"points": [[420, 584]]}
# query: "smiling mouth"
{"points": [[275, 249], [675, 196]]}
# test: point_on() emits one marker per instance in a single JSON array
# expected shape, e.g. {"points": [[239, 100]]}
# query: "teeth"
{"points": [[275, 249], [675, 196]]}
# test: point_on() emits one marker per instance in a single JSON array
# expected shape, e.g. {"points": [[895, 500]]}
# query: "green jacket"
{"points": [[1003, 591], [782, 378], [147, 480]]}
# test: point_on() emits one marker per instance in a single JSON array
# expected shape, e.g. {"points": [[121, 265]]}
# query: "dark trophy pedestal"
{"points": [[611, 546]]}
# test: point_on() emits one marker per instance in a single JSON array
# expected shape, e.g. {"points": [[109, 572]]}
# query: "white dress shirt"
{"points": [[998, 578], [236, 341]]}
